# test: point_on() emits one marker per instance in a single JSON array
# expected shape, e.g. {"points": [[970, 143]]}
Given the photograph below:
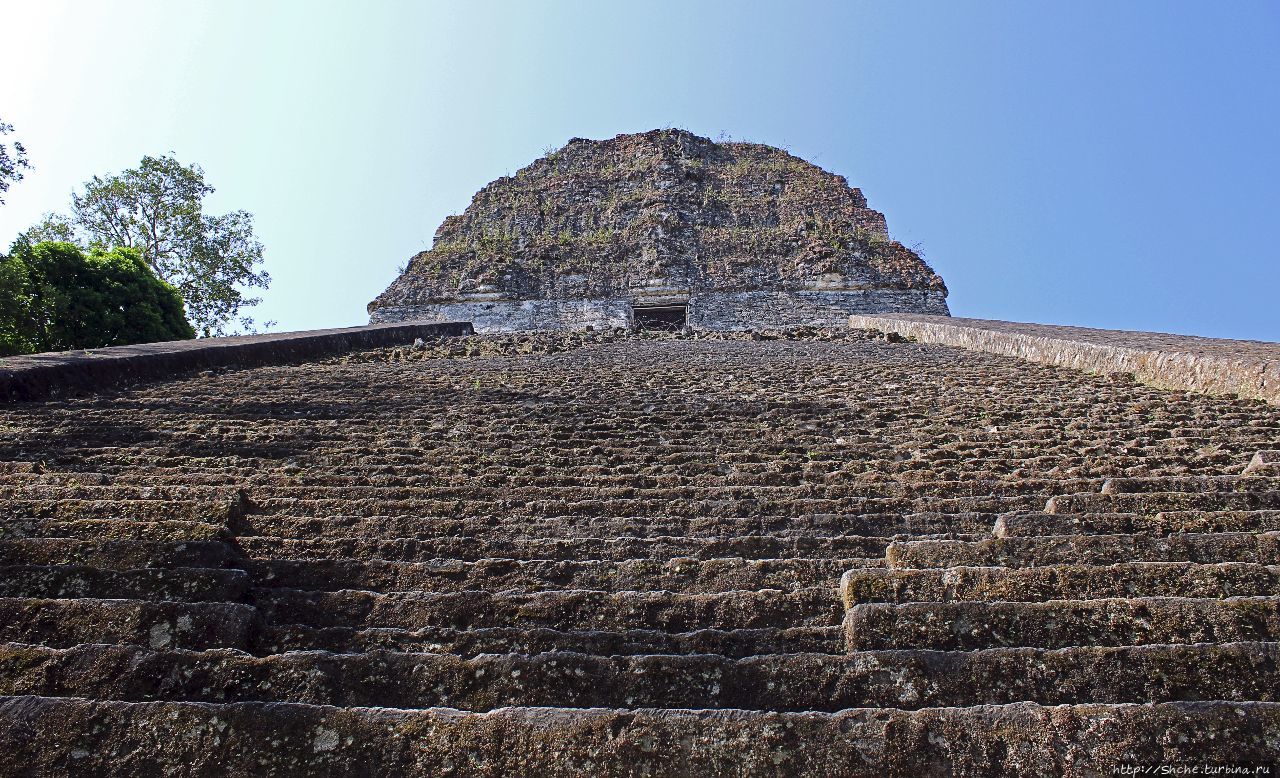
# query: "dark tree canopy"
{"points": [[11, 165], [158, 209], [56, 297]]}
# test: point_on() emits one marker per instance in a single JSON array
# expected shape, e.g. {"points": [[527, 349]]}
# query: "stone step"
{"points": [[963, 626], [1266, 463], [587, 503], [423, 527], [116, 554], [1065, 582], [535, 640], [114, 529], [731, 470], [66, 622], [138, 510], [115, 492], [560, 610], [784, 682], [183, 584], [20, 468], [408, 481], [451, 575], [49, 735], [1163, 523], [59, 478], [572, 489], [481, 547], [1053, 550], [1213, 483], [1031, 467], [570, 485], [1155, 502]]}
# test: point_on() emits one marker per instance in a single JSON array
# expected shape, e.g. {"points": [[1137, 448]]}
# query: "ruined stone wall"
{"points": [[715, 311], [762, 310], [518, 315]]}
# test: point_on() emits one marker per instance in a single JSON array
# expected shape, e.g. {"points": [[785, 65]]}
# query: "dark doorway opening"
{"points": [[667, 318]]}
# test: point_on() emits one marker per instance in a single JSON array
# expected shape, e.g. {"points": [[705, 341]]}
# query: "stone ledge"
{"points": [[39, 376], [59, 736], [1244, 368]]}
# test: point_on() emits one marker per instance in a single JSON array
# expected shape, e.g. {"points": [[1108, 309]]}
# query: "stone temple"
{"points": [[907, 545], [662, 228]]}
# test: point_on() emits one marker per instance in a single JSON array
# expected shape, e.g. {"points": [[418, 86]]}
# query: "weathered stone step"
{"points": [[115, 492], [583, 473], [48, 735], [21, 468], [1052, 550], [114, 529], [183, 584], [1163, 523], [56, 478], [784, 682], [586, 503], [964, 472], [451, 575], [61, 623], [561, 610], [1066, 582], [537, 640], [116, 554], [963, 626], [1266, 462], [570, 485], [1212, 483], [1154, 502], [422, 527], [480, 547], [140, 510]]}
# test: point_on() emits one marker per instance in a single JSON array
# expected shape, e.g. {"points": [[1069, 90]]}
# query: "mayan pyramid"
{"points": [[727, 236], [900, 544]]}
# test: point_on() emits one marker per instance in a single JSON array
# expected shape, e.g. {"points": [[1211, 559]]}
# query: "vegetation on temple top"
{"points": [[665, 205]]}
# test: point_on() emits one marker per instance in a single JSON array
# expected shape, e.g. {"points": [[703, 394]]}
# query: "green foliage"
{"points": [[601, 237], [11, 165], [55, 297], [158, 209], [496, 242], [52, 228]]}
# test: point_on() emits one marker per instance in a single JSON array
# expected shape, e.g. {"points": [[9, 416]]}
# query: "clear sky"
{"points": [[1092, 162]]}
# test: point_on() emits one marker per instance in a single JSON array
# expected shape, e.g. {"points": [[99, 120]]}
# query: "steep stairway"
{"points": [[818, 553]]}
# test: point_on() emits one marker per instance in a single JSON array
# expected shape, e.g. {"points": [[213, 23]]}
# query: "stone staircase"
{"points": [[821, 554]]}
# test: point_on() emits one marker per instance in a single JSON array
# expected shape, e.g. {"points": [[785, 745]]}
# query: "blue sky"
{"points": [[1110, 164]]}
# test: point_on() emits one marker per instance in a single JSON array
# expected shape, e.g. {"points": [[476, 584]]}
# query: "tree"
{"points": [[53, 228], [11, 167], [158, 209], [55, 297]]}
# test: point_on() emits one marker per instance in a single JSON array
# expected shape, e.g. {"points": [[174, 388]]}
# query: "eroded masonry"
{"points": [[662, 227], [815, 552]]}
